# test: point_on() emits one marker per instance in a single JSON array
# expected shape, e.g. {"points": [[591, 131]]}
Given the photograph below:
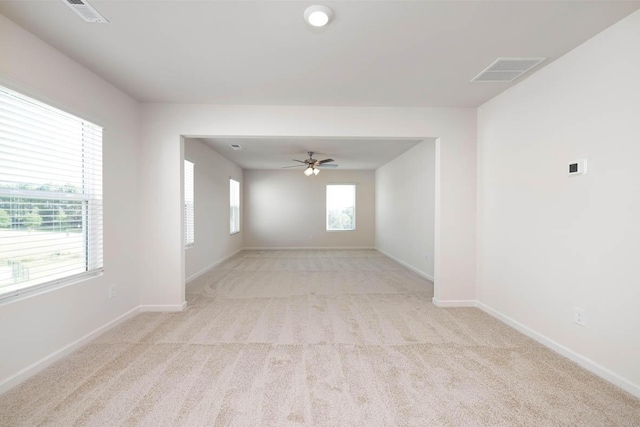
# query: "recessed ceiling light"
{"points": [[318, 16]]}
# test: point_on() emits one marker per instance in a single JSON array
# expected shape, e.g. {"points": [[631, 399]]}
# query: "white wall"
{"points": [[548, 242], [212, 241], [287, 209], [405, 194], [454, 267], [35, 327]]}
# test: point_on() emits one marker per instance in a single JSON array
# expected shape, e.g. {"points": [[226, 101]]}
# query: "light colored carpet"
{"points": [[322, 338]]}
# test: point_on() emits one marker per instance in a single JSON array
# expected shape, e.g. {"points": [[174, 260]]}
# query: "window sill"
{"points": [[31, 291]]}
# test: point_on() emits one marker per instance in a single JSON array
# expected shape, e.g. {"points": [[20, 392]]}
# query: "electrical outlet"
{"points": [[580, 316], [112, 291]]}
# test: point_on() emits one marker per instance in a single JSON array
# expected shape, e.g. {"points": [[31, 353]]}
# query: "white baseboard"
{"points": [[163, 307], [453, 303], [586, 363], [48, 360], [307, 248], [204, 270], [409, 266]]}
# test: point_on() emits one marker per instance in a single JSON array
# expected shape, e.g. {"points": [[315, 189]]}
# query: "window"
{"points": [[50, 195], [234, 206], [189, 214], [341, 207]]}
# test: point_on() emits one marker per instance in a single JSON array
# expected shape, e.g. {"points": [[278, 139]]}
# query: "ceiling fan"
{"points": [[312, 165]]}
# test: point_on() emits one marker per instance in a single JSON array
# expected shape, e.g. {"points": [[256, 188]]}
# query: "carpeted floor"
{"points": [[322, 338]]}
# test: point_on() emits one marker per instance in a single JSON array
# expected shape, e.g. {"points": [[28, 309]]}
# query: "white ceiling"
{"points": [[374, 53], [274, 153]]}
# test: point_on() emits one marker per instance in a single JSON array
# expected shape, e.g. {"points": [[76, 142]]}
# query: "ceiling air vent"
{"points": [[86, 11], [236, 147], [507, 69]]}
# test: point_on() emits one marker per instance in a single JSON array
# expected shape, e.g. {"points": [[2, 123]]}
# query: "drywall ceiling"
{"points": [[373, 53], [274, 153]]}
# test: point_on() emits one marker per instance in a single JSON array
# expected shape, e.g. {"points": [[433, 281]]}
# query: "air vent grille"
{"points": [[507, 69], [86, 11]]}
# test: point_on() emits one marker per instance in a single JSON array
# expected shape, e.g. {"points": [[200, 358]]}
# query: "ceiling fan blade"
{"points": [[326, 161], [301, 161], [327, 166], [294, 166]]}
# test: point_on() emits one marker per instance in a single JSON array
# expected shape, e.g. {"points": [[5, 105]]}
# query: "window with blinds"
{"points": [[189, 199], [234, 206], [50, 195]]}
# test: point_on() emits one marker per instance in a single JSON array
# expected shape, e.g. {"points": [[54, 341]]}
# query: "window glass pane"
{"points": [[189, 200], [50, 194], [234, 206], [341, 207]]}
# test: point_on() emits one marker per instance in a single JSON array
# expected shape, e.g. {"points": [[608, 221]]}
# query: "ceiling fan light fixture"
{"points": [[311, 165], [318, 15]]}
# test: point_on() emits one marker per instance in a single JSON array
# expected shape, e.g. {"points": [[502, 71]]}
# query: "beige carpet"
{"points": [[323, 338]]}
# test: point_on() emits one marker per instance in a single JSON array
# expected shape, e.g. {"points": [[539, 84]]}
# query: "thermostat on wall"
{"points": [[578, 167]]}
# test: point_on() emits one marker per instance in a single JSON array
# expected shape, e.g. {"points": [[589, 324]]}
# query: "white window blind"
{"points": [[341, 207], [50, 195], [234, 205], [189, 199]]}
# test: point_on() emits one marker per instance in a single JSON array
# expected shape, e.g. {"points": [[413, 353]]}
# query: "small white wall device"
{"points": [[577, 167]]}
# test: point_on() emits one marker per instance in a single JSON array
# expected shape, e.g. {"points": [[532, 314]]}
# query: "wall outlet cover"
{"points": [[579, 316]]}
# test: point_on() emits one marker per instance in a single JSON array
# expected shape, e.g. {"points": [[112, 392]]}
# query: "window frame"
{"points": [[233, 231], [326, 205], [91, 197], [189, 244]]}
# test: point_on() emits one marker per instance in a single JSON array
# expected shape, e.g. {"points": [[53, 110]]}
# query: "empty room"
{"points": [[345, 213]]}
